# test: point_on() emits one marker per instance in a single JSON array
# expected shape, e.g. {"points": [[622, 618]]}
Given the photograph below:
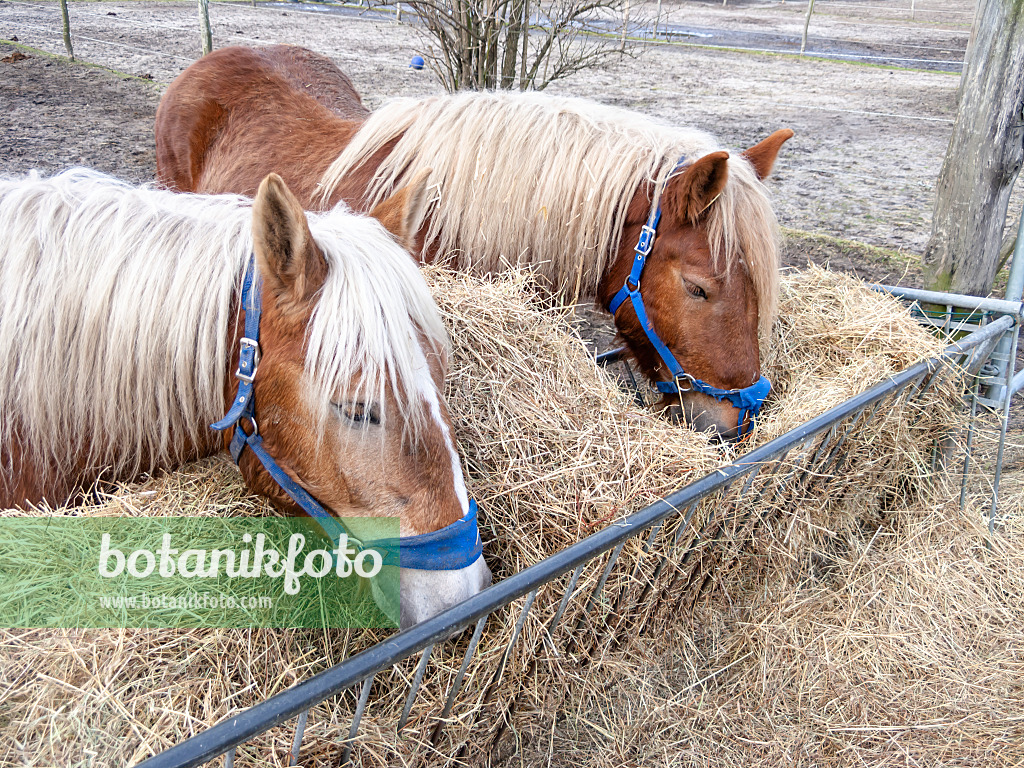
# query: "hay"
{"points": [[554, 451], [904, 650]]}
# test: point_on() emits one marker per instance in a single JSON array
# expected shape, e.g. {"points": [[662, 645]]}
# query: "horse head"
{"points": [[349, 390], [705, 305]]}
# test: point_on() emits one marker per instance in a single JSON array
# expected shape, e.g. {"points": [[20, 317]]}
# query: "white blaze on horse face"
{"points": [[427, 388], [428, 593]]}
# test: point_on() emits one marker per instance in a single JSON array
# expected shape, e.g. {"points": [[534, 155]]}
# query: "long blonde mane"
{"points": [[115, 306], [545, 181]]}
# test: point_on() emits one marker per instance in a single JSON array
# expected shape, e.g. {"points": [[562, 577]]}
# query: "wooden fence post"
{"points": [[807, 23], [66, 24], [204, 26], [984, 156]]}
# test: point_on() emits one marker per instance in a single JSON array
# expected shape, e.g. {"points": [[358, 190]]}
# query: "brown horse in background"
{"points": [[562, 185]]}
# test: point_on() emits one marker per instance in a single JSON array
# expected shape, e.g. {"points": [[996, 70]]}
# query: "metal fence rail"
{"points": [[998, 381], [790, 464]]}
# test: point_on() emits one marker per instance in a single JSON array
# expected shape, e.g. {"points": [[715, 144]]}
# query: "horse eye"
{"points": [[694, 290], [359, 413]]}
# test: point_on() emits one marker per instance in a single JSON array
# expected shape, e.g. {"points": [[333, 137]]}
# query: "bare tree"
{"points": [[807, 24], [984, 155], [524, 44]]}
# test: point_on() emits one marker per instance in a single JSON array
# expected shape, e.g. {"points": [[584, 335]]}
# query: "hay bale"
{"points": [[553, 451], [905, 649]]}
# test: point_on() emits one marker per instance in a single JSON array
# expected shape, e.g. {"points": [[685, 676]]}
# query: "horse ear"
{"points": [[762, 155], [689, 194], [402, 213], [288, 259]]}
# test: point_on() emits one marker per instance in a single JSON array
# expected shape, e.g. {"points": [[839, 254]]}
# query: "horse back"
{"points": [[240, 113], [317, 76]]}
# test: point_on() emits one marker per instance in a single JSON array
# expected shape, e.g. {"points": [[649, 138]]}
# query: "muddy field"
{"points": [[869, 141]]}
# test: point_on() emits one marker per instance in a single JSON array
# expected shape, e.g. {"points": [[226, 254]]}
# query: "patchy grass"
{"points": [[868, 262]]}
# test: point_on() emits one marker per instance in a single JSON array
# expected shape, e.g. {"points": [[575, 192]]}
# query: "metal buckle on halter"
{"points": [[688, 379], [646, 241], [244, 342]]}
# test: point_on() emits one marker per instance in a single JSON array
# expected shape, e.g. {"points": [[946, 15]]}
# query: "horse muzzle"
{"points": [[427, 593], [703, 413]]}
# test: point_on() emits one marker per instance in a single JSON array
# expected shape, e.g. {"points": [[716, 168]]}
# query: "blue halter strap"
{"points": [[451, 548], [748, 400]]}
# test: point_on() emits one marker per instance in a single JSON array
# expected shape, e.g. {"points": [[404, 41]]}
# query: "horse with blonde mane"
{"points": [[124, 312], [672, 234]]}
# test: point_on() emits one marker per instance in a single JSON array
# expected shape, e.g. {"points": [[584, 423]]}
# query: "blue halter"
{"points": [[451, 548], [748, 400]]}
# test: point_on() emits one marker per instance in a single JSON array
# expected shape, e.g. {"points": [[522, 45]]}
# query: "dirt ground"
{"points": [[869, 140], [854, 187]]}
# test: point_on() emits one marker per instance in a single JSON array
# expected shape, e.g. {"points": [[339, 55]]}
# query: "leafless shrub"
{"points": [[524, 44]]}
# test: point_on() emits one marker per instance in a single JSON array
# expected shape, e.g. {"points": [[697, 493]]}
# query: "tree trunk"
{"points": [[983, 157], [508, 64], [66, 28], [524, 33], [1009, 243], [625, 25]]}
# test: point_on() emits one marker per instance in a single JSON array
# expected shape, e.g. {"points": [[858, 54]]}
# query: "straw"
{"points": [[554, 450]]}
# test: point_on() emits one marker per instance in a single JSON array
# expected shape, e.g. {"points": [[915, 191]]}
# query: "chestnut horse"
{"points": [[572, 188], [121, 323]]}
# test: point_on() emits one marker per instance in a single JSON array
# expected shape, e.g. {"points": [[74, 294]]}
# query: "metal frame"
{"points": [[816, 446], [997, 381], [954, 314]]}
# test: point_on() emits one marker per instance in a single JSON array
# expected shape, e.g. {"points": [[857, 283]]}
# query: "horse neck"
{"points": [[301, 161], [353, 189], [620, 261], [322, 139]]}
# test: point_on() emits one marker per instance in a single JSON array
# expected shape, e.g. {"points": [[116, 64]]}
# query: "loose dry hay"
{"points": [[907, 649], [554, 451]]}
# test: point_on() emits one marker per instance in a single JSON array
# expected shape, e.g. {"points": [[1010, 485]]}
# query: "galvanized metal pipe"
{"points": [[364, 695], [1007, 306], [1002, 434], [569, 590], [415, 687], [1005, 352], [470, 650], [1015, 280], [300, 729]]}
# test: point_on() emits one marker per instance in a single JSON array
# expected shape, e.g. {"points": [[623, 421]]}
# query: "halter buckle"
{"points": [[690, 381], [252, 347], [646, 241]]}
